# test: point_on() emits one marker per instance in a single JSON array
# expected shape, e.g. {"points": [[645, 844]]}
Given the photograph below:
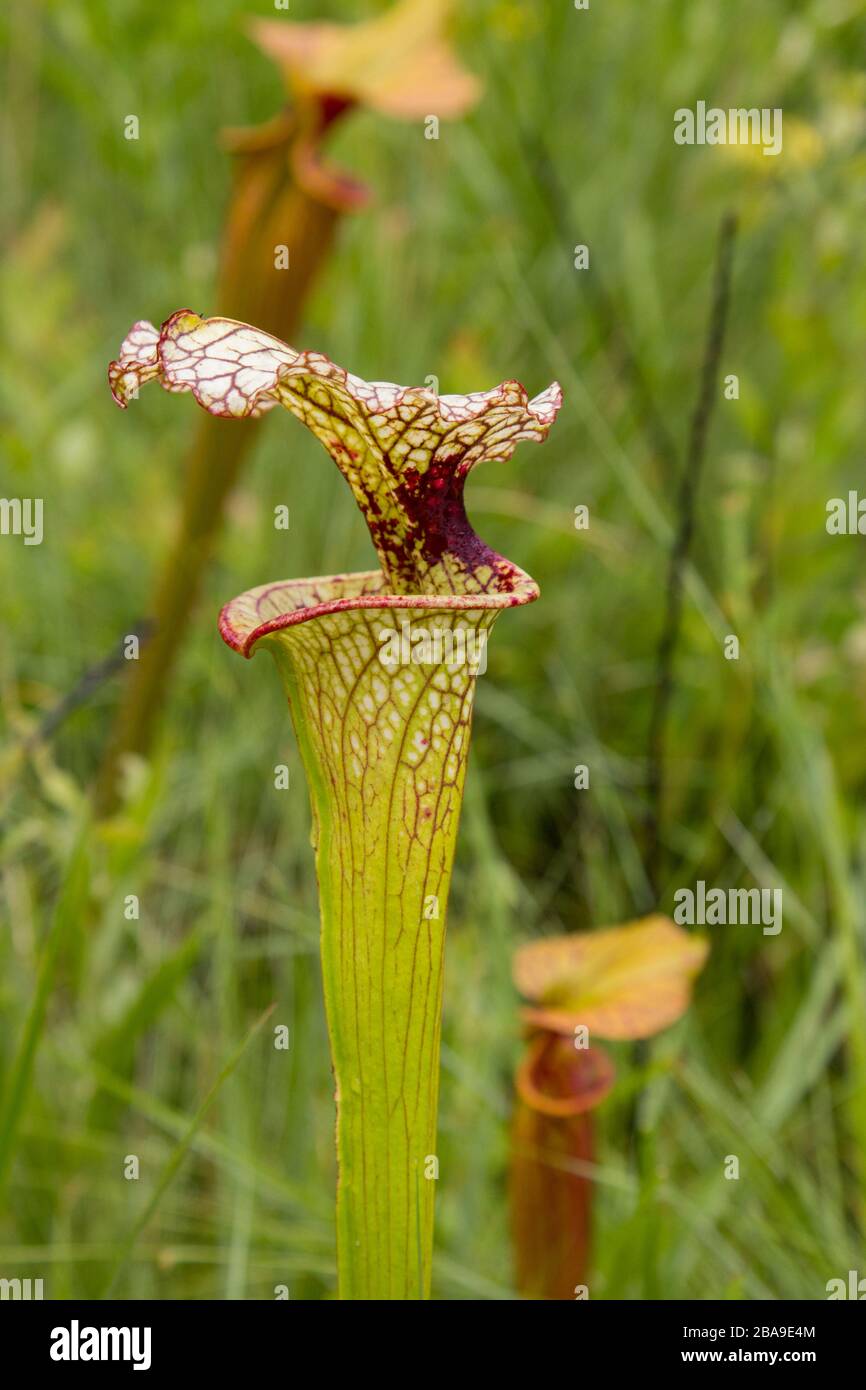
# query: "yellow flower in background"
{"points": [[802, 147], [515, 19]]}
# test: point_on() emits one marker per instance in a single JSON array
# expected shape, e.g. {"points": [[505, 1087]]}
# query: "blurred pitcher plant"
{"points": [[285, 206], [622, 984], [380, 671]]}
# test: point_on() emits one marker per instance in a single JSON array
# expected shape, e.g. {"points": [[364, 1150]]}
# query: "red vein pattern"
{"points": [[385, 755], [405, 452], [384, 745]]}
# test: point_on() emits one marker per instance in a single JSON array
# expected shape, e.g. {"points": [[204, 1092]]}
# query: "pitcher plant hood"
{"points": [[406, 453], [384, 738], [400, 64]]}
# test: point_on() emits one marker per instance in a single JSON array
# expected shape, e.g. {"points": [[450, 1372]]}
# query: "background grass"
{"points": [[113, 1031]]}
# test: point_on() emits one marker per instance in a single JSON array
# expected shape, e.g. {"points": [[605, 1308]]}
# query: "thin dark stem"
{"points": [[610, 323], [86, 686], [680, 549]]}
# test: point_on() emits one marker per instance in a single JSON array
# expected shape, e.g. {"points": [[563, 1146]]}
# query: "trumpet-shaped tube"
{"points": [[380, 671]]}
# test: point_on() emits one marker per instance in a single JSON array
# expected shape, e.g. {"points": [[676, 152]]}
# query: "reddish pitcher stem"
{"points": [[264, 215]]}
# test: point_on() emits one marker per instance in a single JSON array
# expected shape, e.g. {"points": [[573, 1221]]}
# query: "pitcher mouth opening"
{"points": [[558, 1080], [286, 603]]}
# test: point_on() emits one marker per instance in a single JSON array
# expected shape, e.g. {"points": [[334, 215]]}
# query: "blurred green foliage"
{"points": [[113, 1029]]}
